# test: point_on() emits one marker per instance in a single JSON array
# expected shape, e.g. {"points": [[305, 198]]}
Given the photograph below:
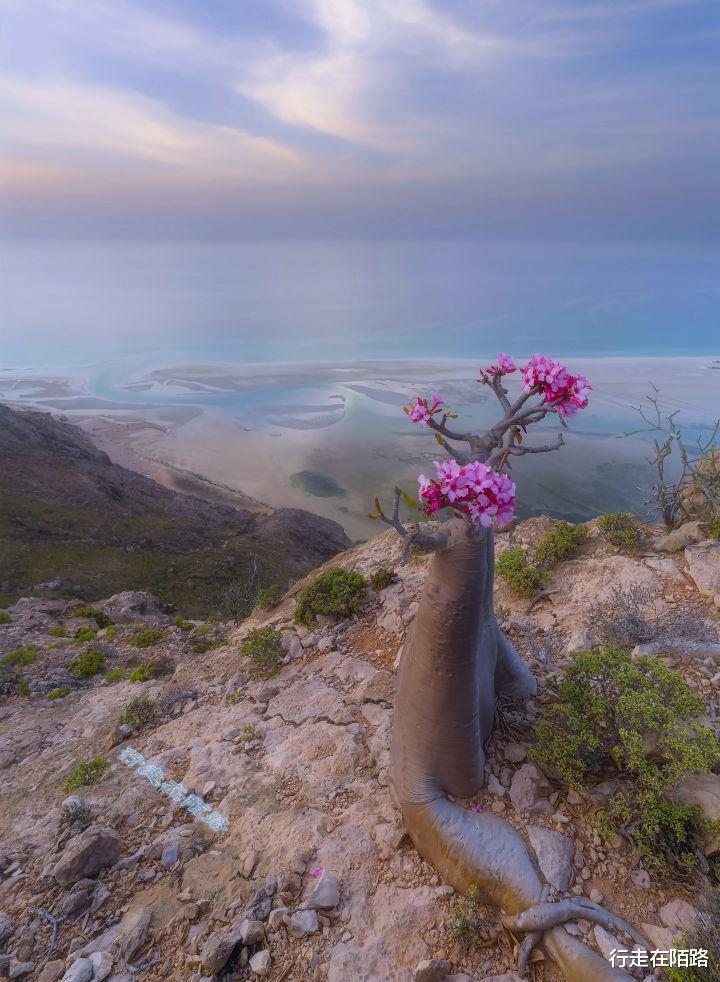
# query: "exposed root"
{"points": [[526, 949], [543, 916]]}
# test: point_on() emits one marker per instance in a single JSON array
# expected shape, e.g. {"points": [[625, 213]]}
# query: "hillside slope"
{"points": [[71, 516], [297, 764]]}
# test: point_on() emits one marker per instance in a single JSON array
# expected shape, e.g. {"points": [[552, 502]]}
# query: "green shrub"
{"points": [[234, 698], [146, 637], [249, 733], [715, 528], [263, 648], [183, 624], [560, 542], [237, 598], [116, 675], [143, 672], [99, 616], [111, 632], [21, 656], [57, 631], [269, 597], [60, 692], [381, 579], [336, 592], [5, 618], [607, 706], [515, 566], [466, 918], [88, 663], [85, 634], [140, 712], [87, 772], [619, 530], [24, 687]]}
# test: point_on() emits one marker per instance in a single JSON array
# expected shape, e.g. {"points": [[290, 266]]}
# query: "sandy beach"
{"points": [[330, 437]]}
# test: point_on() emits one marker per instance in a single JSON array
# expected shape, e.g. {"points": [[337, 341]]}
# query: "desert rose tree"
{"points": [[457, 659]]}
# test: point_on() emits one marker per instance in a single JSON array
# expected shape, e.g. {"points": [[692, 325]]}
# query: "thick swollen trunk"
{"points": [[454, 663]]}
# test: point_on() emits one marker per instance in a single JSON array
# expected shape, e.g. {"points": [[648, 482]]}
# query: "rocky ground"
{"points": [[315, 878]]}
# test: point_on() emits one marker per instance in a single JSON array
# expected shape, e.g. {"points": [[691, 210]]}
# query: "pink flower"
{"points": [[423, 409], [487, 496], [505, 365], [551, 377], [478, 806], [317, 873]]}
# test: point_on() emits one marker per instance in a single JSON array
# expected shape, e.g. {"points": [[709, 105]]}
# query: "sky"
{"points": [[253, 119]]}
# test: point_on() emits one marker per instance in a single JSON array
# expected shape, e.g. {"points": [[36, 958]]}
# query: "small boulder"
{"points": [[529, 789], [251, 932], [133, 932], [19, 969], [53, 971], [260, 963], [703, 562], [102, 965], [432, 970], [679, 916], [327, 892], [555, 853], [217, 950], [687, 534], [87, 853], [81, 970], [6, 928], [303, 922], [704, 790]]}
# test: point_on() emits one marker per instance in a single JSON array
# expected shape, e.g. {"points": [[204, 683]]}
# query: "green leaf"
{"points": [[409, 500]]}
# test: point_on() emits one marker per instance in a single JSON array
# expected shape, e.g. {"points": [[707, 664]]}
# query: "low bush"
{"points": [[57, 631], [111, 632], [146, 637], [337, 592], [516, 567], [639, 615], [236, 599], [5, 618], [269, 597], [24, 687], [607, 707], [143, 672], [21, 656], [140, 712], [183, 624], [714, 530], [87, 772], [559, 543], [116, 675], [99, 616], [85, 634], [264, 650], [60, 692], [382, 578], [89, 663], [620, 530]]}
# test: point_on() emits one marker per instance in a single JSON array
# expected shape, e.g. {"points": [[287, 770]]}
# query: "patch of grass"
{"points": [[620, 530], [57, 631], [89, 663], [116, 675], [516, 567], [338, 592], [60, 692], [382, 578], [263, 648], [87, 772], [236, 599], [85, 634], [5, 618], [146, 637], [249, 733], [24, 687], [269, 597], [140, 712], [234, 698], [714, 530], [183, 624], [93, 613], [466, 917], [607, 705], [21, 656], [111, 632], [143, 672]]}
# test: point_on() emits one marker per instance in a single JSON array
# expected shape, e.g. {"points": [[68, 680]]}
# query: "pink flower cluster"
{"points": [[505, 366], [484, 494], [422, 410], [556, 383]]}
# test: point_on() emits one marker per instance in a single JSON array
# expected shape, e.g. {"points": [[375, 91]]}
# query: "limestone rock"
{"points": [[217, 950], [679, 915], [81, 970], [687, 534], [432, 970], [555, 853], [704, 567], [102, 964], [53, 971], [87, 853], [133, 932], [19, 969], [327, 892], [703, 790], [251, 932], [303, 922], [529, 789], [6, 928], [260, 963], [132, 607]]}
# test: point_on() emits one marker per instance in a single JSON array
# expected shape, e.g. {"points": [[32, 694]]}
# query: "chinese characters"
{"points": [[659, 958]]}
